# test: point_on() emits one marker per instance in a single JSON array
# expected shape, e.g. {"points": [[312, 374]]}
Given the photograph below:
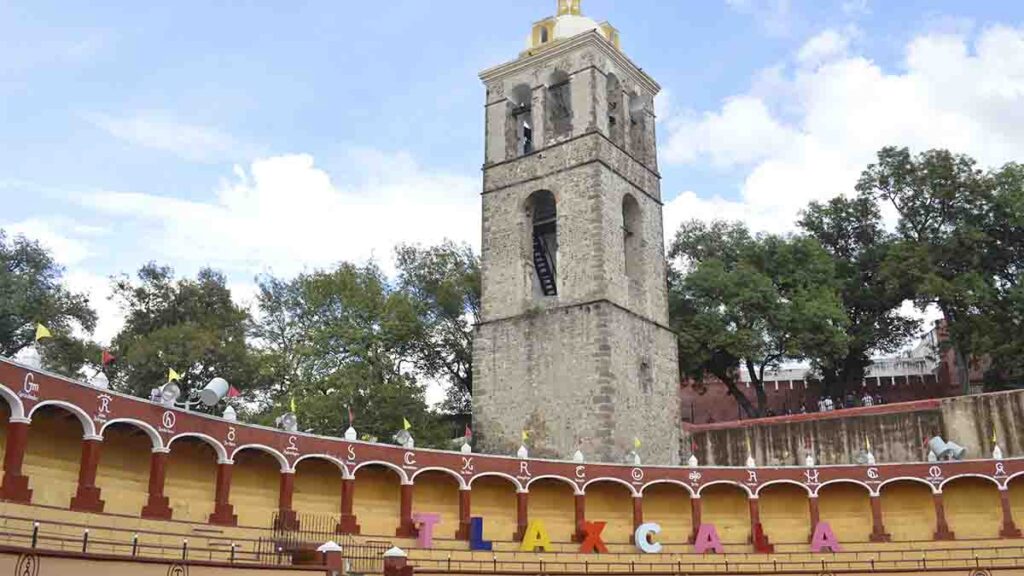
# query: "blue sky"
{"points": [[282, 136]]}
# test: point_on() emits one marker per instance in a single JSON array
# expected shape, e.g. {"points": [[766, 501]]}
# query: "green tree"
{"points": [[339, 339], [943, 202], [31, 292], [851, 231], [444, 284], [189, 325], [736, 299]]}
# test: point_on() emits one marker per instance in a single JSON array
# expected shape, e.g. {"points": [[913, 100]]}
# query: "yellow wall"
{"points": [[847, 509], [191, 480], [255, 488], [669, 506], [377, 501], [317, 488], [51, 460], [123, 473], [972, 508], [728, 508], [494, 500], [908, 511], [438, 493], [785, 513], [552, 502], [611, 503], [1017, 500]]}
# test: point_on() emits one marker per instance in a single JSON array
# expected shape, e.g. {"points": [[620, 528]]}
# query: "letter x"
{"points": [[592, 538]]}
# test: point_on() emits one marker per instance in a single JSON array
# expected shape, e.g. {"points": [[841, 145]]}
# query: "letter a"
{"points": [[536, 537], [707, 540], [476, 535], [824, 538]]}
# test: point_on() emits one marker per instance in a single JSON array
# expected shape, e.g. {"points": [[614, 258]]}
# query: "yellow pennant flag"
{"points": [[994, 435], [636, 443], [526, 435], [42, 332], [172, 375], [292, 405], [405, 424], [867, 441]]}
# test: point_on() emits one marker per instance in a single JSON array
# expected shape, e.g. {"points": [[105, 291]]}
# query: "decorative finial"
{"points": [[569, 8]]}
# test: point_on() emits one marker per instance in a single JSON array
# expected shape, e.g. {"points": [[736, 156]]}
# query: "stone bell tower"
{"points": [[573, 343]]}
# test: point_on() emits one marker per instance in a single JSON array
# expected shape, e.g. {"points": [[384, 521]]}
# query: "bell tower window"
{"points": [[615, 112], [542, 216], [519, 125], [559, 105], [632, 235]]}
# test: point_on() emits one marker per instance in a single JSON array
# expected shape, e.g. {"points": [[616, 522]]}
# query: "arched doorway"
{"points": [[612, 503], [255, 487], [728, 508], [846, 506], [552, 501], [190, 484], [52, 456], [123, 472], [377, 500], [317, 488], [435, 492], [973, 509], [494, 500], [785, 513], [908, 510], [668, 505]]}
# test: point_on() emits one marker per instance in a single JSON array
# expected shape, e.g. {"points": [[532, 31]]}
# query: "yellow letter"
{"points": [[535, 537]]}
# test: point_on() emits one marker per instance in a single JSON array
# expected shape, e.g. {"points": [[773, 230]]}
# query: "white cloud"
{"points": [[285, 214], [160, 131], [806, 132], [53, 234], [825, 46]]}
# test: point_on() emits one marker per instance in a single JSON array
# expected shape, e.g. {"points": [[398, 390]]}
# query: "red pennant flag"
{"points": [[233, 392], [351, 419], [107, 358], [469, 433], [693, 445]]}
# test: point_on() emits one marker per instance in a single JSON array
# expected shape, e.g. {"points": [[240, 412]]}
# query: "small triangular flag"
{"points": [[526, 435], [636, 443], [351, 418], [405, 424], [42, 332], [994, 435], [172, 375], [107, 358], [233, 392], [292, 405], [469, 433]]}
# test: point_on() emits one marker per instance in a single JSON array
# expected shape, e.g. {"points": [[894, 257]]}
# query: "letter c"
{"points": [[643, 539]]}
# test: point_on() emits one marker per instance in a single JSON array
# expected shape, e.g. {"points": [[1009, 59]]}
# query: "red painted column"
{"points": [[223, 511], [878, 533], [757, 536], [695, 515], [348, 523], [942, 531], [87, 497], [581, 517], [1009, 529], [406, 527], [638, 516], [522, 514], [15, 485], [815, 514], [465, 512], [158, 506], [286, 517]]}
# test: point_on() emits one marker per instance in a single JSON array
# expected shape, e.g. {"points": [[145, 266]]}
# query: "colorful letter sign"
{"points": [[708, 540], [824, 539], [476, 535], [644, 538], [536, 537], [592, 538], [425, 523]]}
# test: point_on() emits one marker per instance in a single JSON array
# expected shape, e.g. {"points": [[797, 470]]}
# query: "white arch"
{"points": [[88, 428], [452, 473], [726, 482], [679, 483], [1006, 483], [632, 490], [518, 486], [931, 487], [326, 457], [154, 436], [575, 489], [817, 490], [401, 473], [285, 467], [222, 454], [13, 402], [942, 486], [783, 481]]}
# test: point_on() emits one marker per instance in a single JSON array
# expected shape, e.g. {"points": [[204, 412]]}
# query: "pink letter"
{"points": [[824, 538], [707, 539], [425, 523]]}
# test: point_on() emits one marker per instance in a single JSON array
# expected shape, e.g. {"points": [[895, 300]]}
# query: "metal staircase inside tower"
{"points": [[543, 264]]}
